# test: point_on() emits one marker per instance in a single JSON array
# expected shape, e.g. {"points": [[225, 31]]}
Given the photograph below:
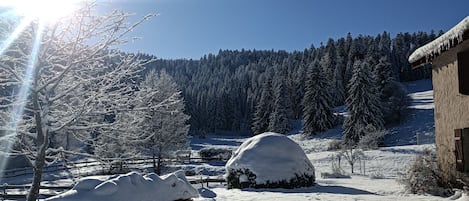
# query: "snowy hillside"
{"points": [[384, 164], [418, 127]]}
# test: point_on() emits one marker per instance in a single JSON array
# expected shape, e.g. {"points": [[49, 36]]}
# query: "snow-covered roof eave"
{"points": [[446, 41]]}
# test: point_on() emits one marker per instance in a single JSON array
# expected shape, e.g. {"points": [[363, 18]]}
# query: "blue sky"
{"points": [[192, 28]]}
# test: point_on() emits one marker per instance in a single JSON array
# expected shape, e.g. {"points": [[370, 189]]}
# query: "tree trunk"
{"points": [[158, 169], [154, 162], [33, 193], [43, 143]]}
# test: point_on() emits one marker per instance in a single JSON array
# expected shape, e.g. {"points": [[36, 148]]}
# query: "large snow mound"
{"points": [[444, 42], [131, 187], [271, 157]]}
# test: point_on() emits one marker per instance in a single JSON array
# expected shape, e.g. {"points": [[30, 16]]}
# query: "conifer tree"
{"points": [[278, 119], [261, 117], [391, 93], [317, 105], [362, 103]]}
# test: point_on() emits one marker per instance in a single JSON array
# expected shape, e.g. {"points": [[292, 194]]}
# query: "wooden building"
{"points": [[449, 57]]}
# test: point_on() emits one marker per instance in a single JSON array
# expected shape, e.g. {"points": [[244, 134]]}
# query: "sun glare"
{"points": [[44, 10]]}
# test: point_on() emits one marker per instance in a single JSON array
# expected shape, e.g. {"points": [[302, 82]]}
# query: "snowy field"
{"points": [[387, 162], [406, 140]]}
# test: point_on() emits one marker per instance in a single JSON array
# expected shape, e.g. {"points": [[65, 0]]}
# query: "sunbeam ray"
{"points": [[13, 36], [18, 109]]}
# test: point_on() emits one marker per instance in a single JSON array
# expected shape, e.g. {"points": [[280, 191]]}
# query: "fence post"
{"points": [[4, 189]]}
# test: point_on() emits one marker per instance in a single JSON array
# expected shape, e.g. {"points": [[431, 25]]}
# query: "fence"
{"points": [[20, 190], [101, 167]]}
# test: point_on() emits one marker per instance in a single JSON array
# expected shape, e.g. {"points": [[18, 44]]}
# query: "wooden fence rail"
{"points": [[103, 166], [60, 189]]}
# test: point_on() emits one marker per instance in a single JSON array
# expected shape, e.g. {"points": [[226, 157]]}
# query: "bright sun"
{"points": [[44, 10]]}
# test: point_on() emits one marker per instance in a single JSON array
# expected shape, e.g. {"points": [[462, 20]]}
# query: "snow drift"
{"points": [[269, 160], [131, 187]]}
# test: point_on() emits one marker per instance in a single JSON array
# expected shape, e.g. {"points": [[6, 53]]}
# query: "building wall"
{"points": [[451, 109]]}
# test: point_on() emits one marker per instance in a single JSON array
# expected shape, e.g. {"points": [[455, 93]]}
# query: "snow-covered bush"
{"points": [[269, 160], [421, 177], [336, 169], [378, 174], [372, 139], [336, 172], [131, 187], [211, 153], [334, 145]]}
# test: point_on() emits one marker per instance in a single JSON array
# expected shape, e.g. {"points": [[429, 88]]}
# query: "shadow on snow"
{"points": [[317, 189]]}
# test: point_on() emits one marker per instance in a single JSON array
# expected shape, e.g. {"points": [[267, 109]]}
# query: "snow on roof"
{"points": [[131, 187], [271, 157], [451, 38]]}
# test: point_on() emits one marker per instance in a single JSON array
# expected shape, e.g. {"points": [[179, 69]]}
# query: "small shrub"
{"points": [[190, 172], [422, 176], [215, 153], [335, 175], [233, 178], [336, 170], [373, 138], [296, 182], [334, 145], [377, 174]]}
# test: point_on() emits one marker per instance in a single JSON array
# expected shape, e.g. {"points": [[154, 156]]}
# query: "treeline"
{"points": [[228, 91]]}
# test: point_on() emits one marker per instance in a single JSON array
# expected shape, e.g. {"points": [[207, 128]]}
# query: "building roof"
{"points": [[451, 38]]}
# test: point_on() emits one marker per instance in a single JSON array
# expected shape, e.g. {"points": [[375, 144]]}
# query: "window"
{"points": [[461, 142], [463, 72]]}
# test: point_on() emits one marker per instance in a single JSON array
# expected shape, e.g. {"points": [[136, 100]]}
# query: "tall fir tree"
{"points": [[317, 105], [363, 104], [392, 94], [261, 116], [278, 119]]}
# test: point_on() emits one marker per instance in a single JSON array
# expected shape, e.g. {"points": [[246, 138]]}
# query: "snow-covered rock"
{"points": [[270, 158], [131, 187]]}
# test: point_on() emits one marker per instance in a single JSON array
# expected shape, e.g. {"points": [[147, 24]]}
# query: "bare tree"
{"points": [[62, 79], [166, 126], [352, 155]]}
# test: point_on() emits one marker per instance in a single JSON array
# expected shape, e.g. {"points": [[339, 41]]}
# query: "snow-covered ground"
{"points": [[386, 162], [406, 140]]}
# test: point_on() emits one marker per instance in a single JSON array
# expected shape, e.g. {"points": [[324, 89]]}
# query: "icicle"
{"points": [[443, 43]]}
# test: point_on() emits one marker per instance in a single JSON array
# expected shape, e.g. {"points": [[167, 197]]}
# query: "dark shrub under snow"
{"points": [[269, 160], [212, 153]]}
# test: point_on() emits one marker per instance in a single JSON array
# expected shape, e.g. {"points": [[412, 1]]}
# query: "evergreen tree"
{"points": [[363, 104], [392, 94], [261, 117], [278, 119], [339, 72], [317, 109]]}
